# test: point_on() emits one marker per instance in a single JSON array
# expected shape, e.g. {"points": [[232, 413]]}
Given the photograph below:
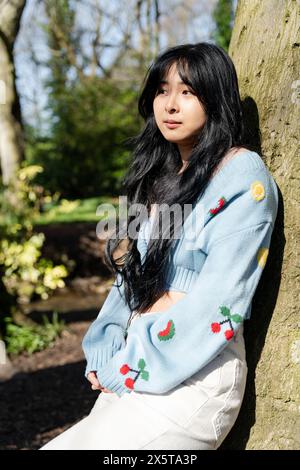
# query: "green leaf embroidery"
{"points": [[141, 364], [144, 375], [236, 318], [225, 311]]}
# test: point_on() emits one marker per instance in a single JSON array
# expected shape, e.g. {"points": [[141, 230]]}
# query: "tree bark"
{"points": [[265, 50], [11, 135]]}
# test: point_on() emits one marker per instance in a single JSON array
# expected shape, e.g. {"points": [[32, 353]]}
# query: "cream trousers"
{"points": [[196, 415]]}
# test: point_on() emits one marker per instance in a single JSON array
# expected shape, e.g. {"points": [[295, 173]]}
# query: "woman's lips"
{"points": [[172, 125]]}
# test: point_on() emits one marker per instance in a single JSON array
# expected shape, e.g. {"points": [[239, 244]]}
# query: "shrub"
{"points": [[32, 338]]}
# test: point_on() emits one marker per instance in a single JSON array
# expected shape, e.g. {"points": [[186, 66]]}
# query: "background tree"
{"points": [[223, 15], [11, 141], [270, 86], [11, 138]]}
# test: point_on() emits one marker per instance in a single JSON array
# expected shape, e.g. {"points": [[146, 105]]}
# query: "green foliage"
{"points": [[20, 202], [223, 17], [32, 338], [85, 156], [23, 271]]}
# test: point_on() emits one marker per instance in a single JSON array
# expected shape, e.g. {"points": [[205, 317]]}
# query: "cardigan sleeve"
{"points": [[166, 348], [105, 335]]}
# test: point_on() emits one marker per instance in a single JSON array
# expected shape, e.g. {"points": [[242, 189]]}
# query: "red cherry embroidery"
{"points": [[230, 318], [228, 334], [129, 383], [216, 327], [140, 373], [125, 369], [221, 203]]}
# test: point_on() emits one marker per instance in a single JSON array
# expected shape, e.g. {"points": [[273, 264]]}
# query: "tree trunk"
{"points": [[265, 50], [11, 136]]}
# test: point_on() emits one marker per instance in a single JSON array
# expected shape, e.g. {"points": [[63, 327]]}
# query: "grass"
{"points": [[79, 210]]}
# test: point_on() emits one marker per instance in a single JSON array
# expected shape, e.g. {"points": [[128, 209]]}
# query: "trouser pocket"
{"points": [[208, 378], [232, 390]]}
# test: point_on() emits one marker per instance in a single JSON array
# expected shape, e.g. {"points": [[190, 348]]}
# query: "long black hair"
{"points": [[153, 173]]}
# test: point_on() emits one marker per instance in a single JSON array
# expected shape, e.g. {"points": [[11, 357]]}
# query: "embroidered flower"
{"points": [[262, 256], [257, 190]]}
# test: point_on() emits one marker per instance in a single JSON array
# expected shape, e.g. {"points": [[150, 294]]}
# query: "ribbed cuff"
{"points": [[98, 357], [110, 378]]}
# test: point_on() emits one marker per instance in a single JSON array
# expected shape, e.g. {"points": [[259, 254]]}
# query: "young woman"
{"points": [[167, 348]]}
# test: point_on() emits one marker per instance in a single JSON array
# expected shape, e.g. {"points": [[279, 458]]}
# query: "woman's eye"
{"points": [[162, 90]]}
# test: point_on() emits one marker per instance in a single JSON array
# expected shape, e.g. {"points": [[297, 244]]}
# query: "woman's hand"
{"points": [[92, 377]]}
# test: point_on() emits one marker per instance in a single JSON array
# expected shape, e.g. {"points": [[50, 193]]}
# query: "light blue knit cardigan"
{"points": [[219, 270]]}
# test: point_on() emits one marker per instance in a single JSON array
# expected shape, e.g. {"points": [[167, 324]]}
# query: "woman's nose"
{"points": [[171, 104]]}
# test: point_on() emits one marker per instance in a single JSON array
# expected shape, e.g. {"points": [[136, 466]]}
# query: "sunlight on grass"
{"points": [[79, 210]]}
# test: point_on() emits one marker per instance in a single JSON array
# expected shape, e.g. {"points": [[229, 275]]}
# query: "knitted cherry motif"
{"points": [[125, 369], [221, 204], [168, 332], [129, 382], [216, 327]]}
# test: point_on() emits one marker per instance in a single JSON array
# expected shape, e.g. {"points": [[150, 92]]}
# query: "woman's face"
{"points": [[176, 101]]}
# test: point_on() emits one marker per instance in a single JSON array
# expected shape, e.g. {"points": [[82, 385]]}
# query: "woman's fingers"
{"points": [[93, 379], [96, 387]]}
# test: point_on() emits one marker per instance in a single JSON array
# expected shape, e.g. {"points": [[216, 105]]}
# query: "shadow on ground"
{"points": [[36, 406]]}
